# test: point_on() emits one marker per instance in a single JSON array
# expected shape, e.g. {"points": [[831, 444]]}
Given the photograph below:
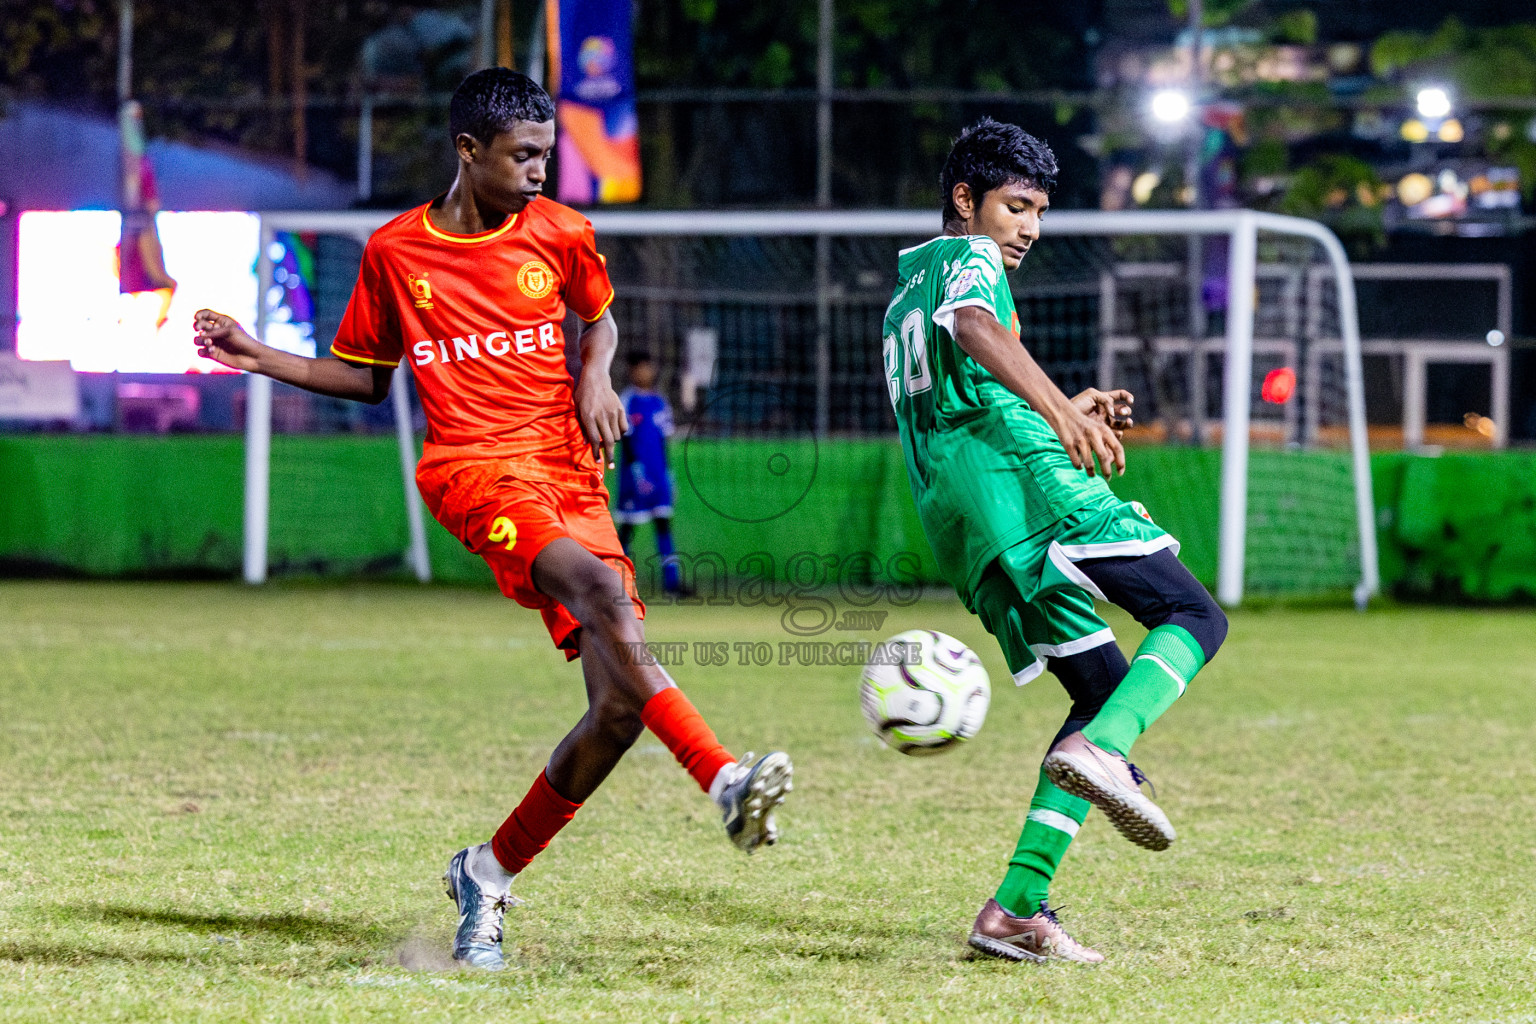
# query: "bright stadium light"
{"points": [[1434, 102], [1170, 106]]}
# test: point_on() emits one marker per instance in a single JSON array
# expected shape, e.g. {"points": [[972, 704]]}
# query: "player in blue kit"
{"points": [[645, 483]]}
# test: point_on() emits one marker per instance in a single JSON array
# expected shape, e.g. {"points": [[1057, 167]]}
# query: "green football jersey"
{"points": [[986, 470]]}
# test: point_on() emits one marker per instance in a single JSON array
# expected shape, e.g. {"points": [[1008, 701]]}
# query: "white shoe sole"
{"points": [[1133, 815]]}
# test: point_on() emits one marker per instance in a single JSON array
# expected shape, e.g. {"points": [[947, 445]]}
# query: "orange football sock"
{"points": [[529, 829], [678, 724]]}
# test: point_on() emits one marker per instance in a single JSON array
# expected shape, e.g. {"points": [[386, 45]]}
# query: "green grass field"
{"points": [[227, 804]]}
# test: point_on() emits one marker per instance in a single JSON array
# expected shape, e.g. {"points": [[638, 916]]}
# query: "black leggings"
{"points": [[1158, 591], [627, 530]]}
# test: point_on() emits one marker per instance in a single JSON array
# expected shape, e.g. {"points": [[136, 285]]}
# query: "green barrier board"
{"points": [[1450, 527]]}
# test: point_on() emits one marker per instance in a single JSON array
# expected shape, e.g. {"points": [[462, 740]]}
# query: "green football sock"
{"points": [[1053, 820], [1163, 666]]}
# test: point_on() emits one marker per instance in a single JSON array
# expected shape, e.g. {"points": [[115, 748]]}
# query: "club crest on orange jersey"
{"points": [[535, 279], [421, 291]]}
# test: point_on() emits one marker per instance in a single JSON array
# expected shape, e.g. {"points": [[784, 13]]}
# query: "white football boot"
{"points": [[482, 901], [748, 795]]}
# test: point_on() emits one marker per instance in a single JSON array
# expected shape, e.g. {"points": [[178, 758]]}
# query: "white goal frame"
{"points": [[1240, 226], [258, 402]]}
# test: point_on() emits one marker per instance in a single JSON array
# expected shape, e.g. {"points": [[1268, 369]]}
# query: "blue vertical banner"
{"points": [[591, 50]]}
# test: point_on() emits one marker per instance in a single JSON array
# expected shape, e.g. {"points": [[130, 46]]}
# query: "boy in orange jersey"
{"points": [[472, 289]]}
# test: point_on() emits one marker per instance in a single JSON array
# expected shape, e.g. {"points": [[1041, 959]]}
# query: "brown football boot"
{"points": [[1113, 785], [1036, 939]]}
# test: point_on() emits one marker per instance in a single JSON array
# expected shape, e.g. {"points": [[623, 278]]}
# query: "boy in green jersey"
{"points": [[1008, 475]]}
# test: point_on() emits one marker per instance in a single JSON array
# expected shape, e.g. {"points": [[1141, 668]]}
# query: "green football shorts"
{"points": [[1035, 600]]}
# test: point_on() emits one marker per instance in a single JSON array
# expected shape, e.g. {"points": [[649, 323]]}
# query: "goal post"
{"points": [[258, 404], [1242, 228], [793, 300]]}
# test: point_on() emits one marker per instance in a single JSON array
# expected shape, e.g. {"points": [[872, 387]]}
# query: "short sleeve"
{"points": [[588, 292], [369, 332], [972, 276]]}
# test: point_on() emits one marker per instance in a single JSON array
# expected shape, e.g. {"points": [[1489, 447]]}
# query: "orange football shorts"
{"points": [[508, 510]]}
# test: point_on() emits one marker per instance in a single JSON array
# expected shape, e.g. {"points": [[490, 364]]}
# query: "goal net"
{"points": [[1235, 330]]}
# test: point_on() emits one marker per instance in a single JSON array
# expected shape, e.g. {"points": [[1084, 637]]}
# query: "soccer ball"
{"points": [[924, 692]]}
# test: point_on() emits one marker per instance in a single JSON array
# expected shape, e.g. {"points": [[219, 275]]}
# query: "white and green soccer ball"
{"points": [[924, 692]]}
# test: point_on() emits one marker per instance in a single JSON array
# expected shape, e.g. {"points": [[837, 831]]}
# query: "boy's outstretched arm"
{"points": [[598, 408], [1084, 433], [223, 340]]}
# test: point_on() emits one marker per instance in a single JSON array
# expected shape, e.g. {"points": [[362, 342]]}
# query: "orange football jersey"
{"points": [[477, 317]]}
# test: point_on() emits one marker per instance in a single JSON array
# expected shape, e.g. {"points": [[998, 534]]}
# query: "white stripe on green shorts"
{"points": [[1098, 638], [1029, 673]]}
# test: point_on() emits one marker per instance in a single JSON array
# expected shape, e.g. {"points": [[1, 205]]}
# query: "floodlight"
{"points": [[1434, 102], [1170, 106]]}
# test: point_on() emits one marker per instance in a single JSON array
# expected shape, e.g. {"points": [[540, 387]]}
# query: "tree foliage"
{"points": [[1483, 63], [1488, 64], [67, 49], [965, 44], [1343, 192], [1295, 25]]}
